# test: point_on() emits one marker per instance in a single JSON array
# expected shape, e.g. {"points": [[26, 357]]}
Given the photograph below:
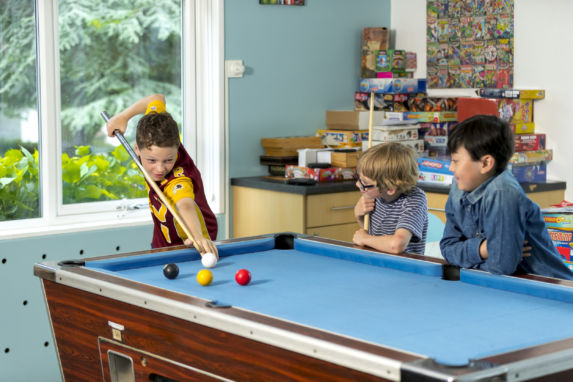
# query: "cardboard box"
{"points": [[440, 129], [435, 164], [343, 138], [531, 157], [306, 156], [530, 173], [522, 128], [435, 142], [563, 241], [393, 85], [331, 174], [416, 144], [288, 146], [373, 40], [511, 93], [516, 110], [352, 120], [344, 159], [435, 117], [390, 60], [382, 102], [510, 110], [424, 103], [411, 61], [393, 133], [434, 177], [394, 74], [558, 218], [529, 142]]}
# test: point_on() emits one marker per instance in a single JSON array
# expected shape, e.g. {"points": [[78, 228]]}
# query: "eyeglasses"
{"points": [[363, 186]]}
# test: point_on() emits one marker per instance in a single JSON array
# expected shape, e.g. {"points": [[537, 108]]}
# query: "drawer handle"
{"points": [[437, 209], [341, 208]]}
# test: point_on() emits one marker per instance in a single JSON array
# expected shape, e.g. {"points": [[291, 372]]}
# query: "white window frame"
{"points": [[203, 121]]}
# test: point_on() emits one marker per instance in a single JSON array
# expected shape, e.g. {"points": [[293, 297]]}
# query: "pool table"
{"points": [[316, 309]]}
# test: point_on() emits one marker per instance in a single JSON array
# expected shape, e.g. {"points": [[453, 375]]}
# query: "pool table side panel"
{"points": [[79, 318]]}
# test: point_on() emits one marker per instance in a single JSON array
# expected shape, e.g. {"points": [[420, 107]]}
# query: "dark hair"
{"points": [[157, 129], [482, 135]]}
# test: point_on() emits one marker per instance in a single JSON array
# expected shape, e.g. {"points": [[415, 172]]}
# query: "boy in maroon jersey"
{"points": [[167, 162]]}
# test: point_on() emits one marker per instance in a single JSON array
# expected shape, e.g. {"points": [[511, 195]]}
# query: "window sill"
{"points": [[69, 224]]}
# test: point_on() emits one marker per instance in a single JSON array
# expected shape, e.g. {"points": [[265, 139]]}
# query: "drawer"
{"points": [[331, 209], [344, 232]]}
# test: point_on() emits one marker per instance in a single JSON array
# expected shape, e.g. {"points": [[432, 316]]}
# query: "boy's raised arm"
{"points": [[119, 121]]}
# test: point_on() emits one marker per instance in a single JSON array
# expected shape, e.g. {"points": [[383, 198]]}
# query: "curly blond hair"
{"points": [[392, 165]]}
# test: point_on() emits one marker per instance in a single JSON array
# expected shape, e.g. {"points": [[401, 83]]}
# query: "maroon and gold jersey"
{"points": [[183, 181]]}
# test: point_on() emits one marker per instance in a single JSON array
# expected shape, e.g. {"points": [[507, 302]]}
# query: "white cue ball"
{"points": [[209, 260]]}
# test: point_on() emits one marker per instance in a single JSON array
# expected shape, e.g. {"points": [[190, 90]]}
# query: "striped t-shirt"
{"points": [[409, 211]]}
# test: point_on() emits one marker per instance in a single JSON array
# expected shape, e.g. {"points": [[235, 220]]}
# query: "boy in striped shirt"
{"points": [[387, 178]]}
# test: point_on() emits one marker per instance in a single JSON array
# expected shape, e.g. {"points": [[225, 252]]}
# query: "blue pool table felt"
{"points": [[399, 303]]}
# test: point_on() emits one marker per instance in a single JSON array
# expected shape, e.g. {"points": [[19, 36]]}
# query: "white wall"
{"points": [[542, 57]]}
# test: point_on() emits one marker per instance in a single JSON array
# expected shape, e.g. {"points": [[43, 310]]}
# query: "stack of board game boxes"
{"points": [[529, 162]]}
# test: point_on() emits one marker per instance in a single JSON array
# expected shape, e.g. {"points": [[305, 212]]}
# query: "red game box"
{"points": [[529, 142]]}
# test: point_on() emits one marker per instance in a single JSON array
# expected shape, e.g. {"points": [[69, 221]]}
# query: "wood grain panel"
{"points": [[259, 212], [331, 209], [79, 318]]}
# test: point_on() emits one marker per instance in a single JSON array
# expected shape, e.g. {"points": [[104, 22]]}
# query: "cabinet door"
{"points": [[437, 204], [331, 209], [258, 212], [343, 232]]}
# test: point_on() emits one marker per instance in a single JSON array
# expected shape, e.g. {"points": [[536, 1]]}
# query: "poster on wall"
{"points": [[469, 43]]}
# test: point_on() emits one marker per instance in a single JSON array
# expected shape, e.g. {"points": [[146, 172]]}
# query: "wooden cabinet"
{"points": [[327, 210], [260, 211], [437, 201]]}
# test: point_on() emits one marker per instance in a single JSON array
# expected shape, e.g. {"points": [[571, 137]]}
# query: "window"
{"points": [[19, 166], [95, 56]]}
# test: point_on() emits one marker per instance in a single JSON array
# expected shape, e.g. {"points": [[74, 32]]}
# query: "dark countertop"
{"points": [[281, 185]]}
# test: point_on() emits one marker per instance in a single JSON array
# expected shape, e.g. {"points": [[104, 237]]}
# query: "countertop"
{"points": [[279, 184]]}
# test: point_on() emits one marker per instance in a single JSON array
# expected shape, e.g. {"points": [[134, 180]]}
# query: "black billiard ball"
{"points": [[171, 271]]}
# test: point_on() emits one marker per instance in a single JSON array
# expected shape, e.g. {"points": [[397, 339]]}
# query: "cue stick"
{"points": [[152, 183], [370, 122]]}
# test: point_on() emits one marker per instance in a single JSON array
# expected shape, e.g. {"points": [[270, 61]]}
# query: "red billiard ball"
{"points": [[243, 277]]}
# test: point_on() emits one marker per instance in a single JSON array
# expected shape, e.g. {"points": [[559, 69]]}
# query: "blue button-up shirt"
{"points": [[498, 210]]}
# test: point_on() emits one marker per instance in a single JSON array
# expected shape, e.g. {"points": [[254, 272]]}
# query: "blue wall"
{"points": [[300, 61]]}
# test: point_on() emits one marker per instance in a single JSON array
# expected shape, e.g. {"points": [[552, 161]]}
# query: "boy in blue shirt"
{"points": [[491, 224]]}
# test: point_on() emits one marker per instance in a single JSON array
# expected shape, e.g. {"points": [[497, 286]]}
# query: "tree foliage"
{"points": [[111, 53], [87, 177]]}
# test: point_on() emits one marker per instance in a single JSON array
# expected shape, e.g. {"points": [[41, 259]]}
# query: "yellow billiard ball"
{"points": [[204, 277]]}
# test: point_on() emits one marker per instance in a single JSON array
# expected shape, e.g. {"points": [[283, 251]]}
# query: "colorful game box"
{"points": [[558, 217], [511, 93], [392, 133], [530, 173], [393, 85], [433, 177], [381, 102], [330, 174], [531, 157], [522, 128], [435, 164], [529, 142], [563, 241], [343, 138]]}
